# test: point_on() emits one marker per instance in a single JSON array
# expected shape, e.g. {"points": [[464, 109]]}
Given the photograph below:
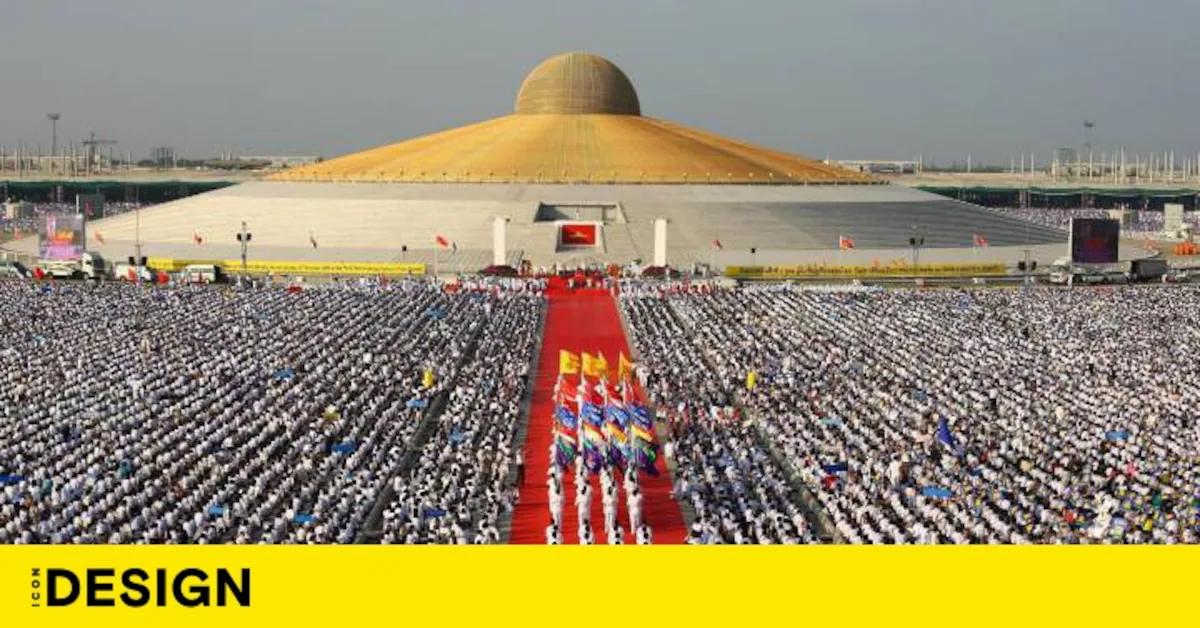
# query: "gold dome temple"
{"points": [[577, 119]]}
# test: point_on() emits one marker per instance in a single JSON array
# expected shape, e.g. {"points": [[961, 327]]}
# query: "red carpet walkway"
{"points": [[584, 320]]}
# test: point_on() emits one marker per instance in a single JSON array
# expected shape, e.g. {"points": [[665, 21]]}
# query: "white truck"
{"points": [[1064, 272], [88, 266], [124, 271]]}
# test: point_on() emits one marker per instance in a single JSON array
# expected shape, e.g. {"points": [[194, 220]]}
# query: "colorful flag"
{"points": [[645, 458], [751, 380], [591, 414], [624, 367], [617, 457], [717, 245], [979, 240], [615, 433], [845, 243], [564, 448], [594, 366], [568, 363], [566, 417], [442, 241], [592, 434], [616, 414], [946, 438], [641, 416], [642, 433]]}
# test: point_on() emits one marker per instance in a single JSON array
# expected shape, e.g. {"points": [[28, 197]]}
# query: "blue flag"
{"points": [[1117, 435], [566, 417], [641, 416], [592, 459], [616, 456], [938, 492], [285, 374], [617, 415], [837, 467], [944, 435], [591, 414]]}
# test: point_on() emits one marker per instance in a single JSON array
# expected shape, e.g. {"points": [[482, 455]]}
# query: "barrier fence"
{"points": [[874, 270], [262, 267]]}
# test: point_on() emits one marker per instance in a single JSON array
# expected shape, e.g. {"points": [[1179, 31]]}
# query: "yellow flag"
{"points": [[427, 378], [594, 366], [568, 363], [603, 365], [751, 380], [624, 367]]}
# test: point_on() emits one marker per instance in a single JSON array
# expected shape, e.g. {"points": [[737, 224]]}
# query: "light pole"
{"points": [[243, 237], [53, 137], [916, 242]]}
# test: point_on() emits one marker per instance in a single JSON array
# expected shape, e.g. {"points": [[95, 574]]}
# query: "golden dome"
{"points": [[575, 83], [577, 120]]}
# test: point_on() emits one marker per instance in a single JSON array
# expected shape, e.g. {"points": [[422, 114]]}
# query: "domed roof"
{"points": [[577, 83], [577, 120]]}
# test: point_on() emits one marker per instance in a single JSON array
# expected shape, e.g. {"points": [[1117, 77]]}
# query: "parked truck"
{"points": [[1149, 269], [88, 266], [1064, 272]]}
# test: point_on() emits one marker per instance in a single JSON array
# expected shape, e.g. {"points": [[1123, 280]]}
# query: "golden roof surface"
{"points": [[577, 120]]}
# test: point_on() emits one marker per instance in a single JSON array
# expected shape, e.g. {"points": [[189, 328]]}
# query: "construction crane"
{"points": [[93, 143]]}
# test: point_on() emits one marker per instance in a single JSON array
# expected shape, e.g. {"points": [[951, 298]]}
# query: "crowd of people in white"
{"points": [[459, 490], [371, 412], [735, 489], [201, 415], [1141, 221], [952, 416]]}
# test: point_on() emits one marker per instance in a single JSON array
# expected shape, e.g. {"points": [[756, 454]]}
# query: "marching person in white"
{"points": [[583, 502], [556, 503], [635, 507]]}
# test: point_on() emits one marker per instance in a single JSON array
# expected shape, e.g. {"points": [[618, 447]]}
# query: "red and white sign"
{"points": [[577, 234]]}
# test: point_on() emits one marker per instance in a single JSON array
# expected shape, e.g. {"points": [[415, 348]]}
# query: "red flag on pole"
{"points": [[717, 245], [197, 238], [38, 273], [980, 240], [442, 241], [845, 243]]}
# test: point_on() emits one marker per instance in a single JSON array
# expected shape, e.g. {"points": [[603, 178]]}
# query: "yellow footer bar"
{"points": [[574, 586]]}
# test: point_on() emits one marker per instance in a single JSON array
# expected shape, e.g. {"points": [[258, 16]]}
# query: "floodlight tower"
{"points": [[53, 117]]}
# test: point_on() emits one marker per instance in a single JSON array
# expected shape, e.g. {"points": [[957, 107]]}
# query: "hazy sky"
{"points": [[844, 78]]}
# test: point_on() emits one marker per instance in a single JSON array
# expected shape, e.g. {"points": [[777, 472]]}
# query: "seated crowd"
{"points": [[950, 416], [735, 488], [201, 415]]}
